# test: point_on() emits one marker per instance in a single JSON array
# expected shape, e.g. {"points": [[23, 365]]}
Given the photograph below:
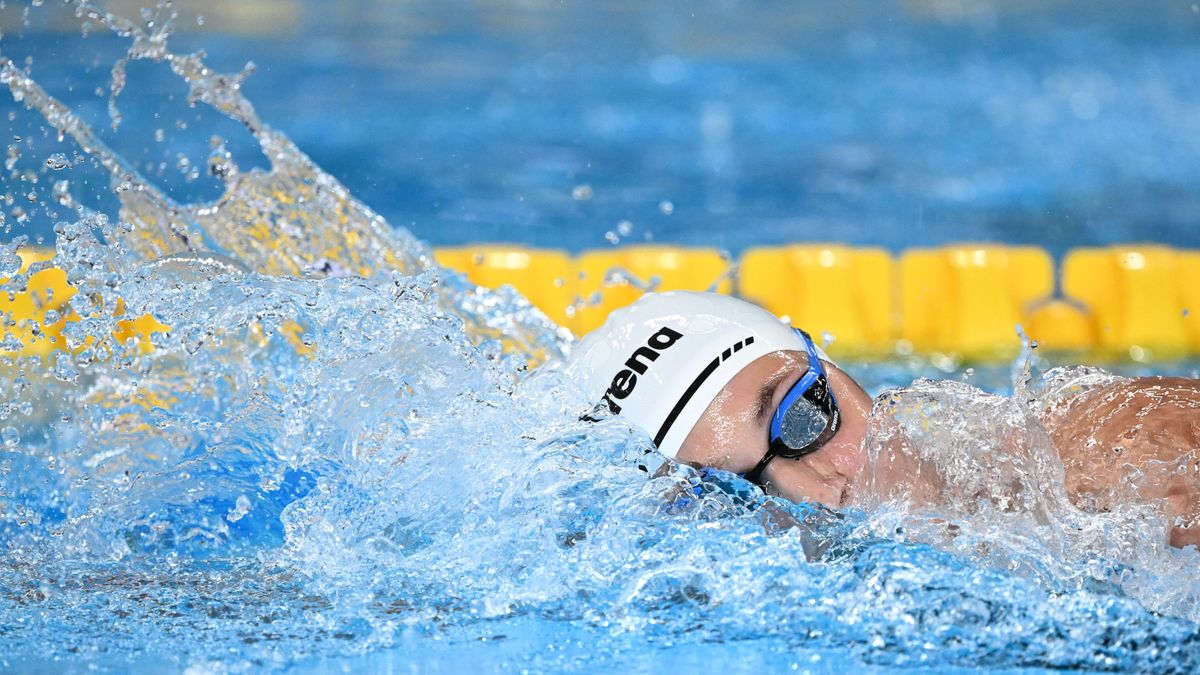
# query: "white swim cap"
{"points": [[660, 361]]}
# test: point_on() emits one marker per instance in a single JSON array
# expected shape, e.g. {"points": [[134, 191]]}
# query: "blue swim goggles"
{"points": [[806, 419]]}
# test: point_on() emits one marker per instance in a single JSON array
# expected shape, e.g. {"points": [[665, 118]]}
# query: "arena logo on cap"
{"points": [[624, 382]]}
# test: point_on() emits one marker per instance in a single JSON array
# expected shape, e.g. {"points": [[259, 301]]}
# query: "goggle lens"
{"points": [[803, 424], [806, 419]]}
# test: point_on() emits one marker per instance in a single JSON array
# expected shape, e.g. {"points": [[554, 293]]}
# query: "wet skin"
{"points": [[1106, 438], [1134, 440], [732, 434]]}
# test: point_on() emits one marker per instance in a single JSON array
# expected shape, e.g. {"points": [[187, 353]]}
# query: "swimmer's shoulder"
{"points": [[1129, 420], [1145, 392], [1068, 393]]}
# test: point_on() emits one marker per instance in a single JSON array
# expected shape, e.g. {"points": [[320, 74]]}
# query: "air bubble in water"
{"points": [[582, 192], [625, 228], [612, 237], [666, 207], [10, 436]]}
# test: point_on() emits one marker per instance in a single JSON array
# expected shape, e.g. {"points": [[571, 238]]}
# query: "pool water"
{"points": [[343, 457], [891, 123]]}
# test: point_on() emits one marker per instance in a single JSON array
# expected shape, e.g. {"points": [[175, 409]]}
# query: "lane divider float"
{"points": [[965, 301]]}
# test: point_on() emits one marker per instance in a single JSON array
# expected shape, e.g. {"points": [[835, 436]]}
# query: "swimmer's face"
{"points": [[732, 434]]}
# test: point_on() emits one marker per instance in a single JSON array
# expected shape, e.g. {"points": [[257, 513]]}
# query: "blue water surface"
{"points": [[878, 123]]}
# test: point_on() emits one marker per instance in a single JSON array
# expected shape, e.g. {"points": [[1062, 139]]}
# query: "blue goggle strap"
{"points": [[815, 371]]}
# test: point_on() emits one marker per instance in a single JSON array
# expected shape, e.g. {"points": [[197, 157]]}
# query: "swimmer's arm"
{"points": [[1135, 439]]}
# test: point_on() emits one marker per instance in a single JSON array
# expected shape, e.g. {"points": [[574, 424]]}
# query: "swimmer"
{"points": [[718, 382]]}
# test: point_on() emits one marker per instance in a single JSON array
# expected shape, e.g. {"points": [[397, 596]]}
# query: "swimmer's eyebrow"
{"points": [[766, 394]]}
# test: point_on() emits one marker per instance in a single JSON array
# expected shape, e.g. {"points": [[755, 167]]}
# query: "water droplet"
{"points": [[10, 264], [240, 509], [582, 192], [57, 161], [62, 193], [10, 436], [625, 228], [666, 207], [612, 237]]}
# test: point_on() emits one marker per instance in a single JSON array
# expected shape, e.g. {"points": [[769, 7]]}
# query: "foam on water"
{"points": [[339, 447]]}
